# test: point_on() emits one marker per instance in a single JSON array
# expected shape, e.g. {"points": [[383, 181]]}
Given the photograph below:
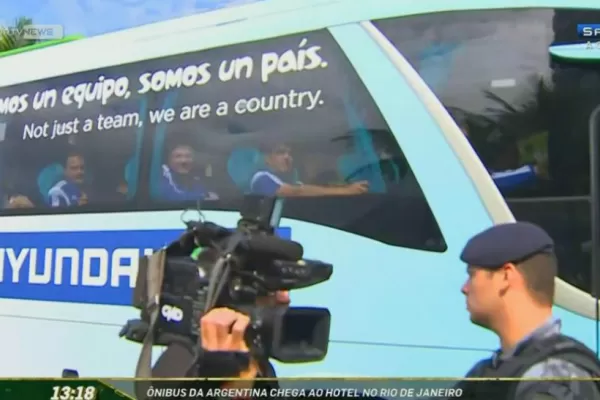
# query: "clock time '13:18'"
{"points": [[74, 393]]}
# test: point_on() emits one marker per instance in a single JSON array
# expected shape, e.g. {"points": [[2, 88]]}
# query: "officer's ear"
{"points": [[509, 272]]}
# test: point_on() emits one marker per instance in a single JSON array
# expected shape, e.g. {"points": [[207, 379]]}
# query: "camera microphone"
{"points": [[206, 233]]}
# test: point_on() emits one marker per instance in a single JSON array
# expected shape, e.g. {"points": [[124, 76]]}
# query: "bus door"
{"points": [[588, 56], [526, 116], [595, 213]]}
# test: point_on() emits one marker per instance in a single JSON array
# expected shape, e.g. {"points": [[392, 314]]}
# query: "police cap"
{"points": [[504, 243]]}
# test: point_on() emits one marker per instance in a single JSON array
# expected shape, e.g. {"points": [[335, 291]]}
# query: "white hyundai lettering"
{"points": [[87, 279], [70, 257], [171, 313], [92, 267], [46, 275], [125, 263], [15, 262]]}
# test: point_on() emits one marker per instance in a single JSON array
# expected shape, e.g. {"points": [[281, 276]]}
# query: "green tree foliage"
{"points": [[10, 38]]}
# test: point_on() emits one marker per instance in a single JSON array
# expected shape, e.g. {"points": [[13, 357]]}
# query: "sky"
{"points": [[95, 17]]}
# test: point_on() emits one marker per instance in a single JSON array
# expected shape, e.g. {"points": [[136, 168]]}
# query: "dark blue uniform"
{"points": [[516, 242]]}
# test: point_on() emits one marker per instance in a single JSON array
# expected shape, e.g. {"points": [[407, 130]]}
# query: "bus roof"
{"points": [[260, 20]]}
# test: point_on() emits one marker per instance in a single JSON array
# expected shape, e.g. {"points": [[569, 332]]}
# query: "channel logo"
{"points": [[35, 32], [171, 313], [588, 31]]}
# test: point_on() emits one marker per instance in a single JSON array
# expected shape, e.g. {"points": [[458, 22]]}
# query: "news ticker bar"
{"points": [[124, 389]]}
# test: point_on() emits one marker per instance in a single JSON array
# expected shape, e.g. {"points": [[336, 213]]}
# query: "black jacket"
{"points": [[572, 355], [179, 360]]}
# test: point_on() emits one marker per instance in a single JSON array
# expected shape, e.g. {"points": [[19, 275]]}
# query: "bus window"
{"points": [[296, 123], [57, 155], [526, 116]]}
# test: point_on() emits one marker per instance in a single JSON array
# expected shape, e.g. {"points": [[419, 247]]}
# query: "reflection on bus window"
{"points": [[526, 116], [308, 131]]}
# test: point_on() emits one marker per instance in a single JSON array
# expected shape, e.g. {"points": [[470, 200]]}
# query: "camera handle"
{"points": [[155, 275], [221, 270]]}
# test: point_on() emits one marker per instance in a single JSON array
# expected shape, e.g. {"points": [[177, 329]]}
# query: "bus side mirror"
{"points": [[582, 52]]}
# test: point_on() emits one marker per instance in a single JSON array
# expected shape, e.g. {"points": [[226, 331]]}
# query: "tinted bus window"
{"points": [[61, 148], [526, 116], [286, 116]]}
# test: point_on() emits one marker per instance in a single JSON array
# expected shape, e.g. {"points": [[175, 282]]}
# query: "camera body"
{"points": [[239, 269]]}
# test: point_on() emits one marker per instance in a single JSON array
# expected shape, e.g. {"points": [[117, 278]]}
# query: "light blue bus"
{"points": [[104, 141]]}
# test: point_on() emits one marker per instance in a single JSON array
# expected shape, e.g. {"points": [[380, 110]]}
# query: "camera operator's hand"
{"points": [[222, 330]]}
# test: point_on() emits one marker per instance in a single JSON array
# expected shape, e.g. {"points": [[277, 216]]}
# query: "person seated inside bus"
{"points": [[508, 172], [13, 195], [276, 177], [322, 170], [178, 181], [70, 190], [122, 190], [18, 201], [506, 178], [392, 164]]}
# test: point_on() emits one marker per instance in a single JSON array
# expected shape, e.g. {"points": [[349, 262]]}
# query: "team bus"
{"points": [[411, 125]]}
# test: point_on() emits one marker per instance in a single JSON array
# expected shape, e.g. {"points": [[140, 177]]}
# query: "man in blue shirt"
{"points": [[512, 178], [177, 182], [506, 179], [69, 191], [276, 178]]}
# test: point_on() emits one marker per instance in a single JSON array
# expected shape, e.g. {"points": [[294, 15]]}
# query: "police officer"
{"points": [[510, 291]]}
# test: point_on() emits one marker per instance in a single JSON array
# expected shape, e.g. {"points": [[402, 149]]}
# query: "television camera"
{"points": [[210, 266]]}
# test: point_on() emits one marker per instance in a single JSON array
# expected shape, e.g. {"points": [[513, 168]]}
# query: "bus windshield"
{"points": [[525, 115]]}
